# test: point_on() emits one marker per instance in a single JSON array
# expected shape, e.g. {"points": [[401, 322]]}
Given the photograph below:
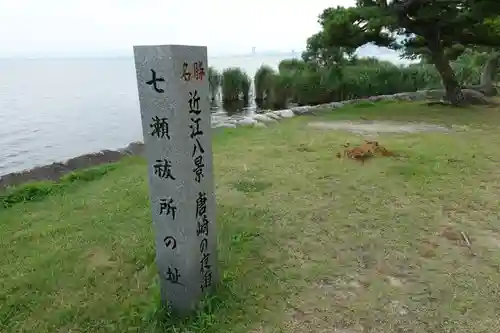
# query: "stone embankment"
{"points": [[270, 117], [56, 170]]}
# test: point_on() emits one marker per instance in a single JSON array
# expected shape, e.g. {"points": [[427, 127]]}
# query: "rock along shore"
{"points": [[56, 170]]}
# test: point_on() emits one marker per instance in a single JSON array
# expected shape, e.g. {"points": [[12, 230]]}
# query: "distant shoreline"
{"points": [[115, 57], [387, 55]]}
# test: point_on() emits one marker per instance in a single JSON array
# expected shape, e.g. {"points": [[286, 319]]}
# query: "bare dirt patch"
{"points": [[394, 281], [378, 126]]}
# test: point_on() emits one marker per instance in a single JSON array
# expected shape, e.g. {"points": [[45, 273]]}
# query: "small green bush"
{"points": [[282, 90], [311, 87], [235, 85], [245, 87], [263, 82], [291, 66], [233, 107]]}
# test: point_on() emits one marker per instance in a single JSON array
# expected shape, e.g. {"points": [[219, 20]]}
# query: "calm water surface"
{"points": [[55, 109]]}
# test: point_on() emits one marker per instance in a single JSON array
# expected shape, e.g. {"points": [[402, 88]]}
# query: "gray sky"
{"points": [[111, 27]]}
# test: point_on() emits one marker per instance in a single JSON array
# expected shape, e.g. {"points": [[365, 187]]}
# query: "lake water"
{"points": [[55, 109]]}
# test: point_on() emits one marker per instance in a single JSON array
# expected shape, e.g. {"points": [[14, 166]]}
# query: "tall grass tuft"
{"points": [[214, 85], [263, 81], [235, 85]]}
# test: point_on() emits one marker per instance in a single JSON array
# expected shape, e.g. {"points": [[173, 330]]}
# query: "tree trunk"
{"points": [[488, 75], [454, 93]]}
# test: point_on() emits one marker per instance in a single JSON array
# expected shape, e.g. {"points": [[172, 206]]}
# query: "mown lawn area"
{"points": [[308, 242]]}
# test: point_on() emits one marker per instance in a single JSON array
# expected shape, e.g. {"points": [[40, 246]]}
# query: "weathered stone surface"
{"points": [[336, 105], [134, 148], [285, 113], [376, 98], [475, 97], [176, 123], [301, 110], [264, 118], [247, 121], [225, 125], [471, 96], [272, 115], [89, 160], [347, 102]]}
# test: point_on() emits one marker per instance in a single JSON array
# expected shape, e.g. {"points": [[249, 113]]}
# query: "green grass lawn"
{"points": [[308, 242]]}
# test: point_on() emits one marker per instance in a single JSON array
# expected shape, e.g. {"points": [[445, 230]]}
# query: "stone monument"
{"points": [[173, 88]]}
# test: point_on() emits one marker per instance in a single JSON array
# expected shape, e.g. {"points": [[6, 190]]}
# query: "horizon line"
{"points": [[123, 55]]}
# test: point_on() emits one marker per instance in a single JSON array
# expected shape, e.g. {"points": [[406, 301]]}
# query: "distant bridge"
{"points": [[291, 54]]}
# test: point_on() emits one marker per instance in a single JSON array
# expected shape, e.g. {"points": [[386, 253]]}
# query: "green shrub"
{"points": [[313, 87], [282, 90], [233, 107], [245, 87], [235, 85], [263, 82], [306, 83], [291, 66]]}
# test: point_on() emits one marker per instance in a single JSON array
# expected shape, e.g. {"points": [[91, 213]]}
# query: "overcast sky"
{"points": [[111, 27]]}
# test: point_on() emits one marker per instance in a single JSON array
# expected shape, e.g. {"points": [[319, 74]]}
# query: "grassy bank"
{"points": [[308, 242]]}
